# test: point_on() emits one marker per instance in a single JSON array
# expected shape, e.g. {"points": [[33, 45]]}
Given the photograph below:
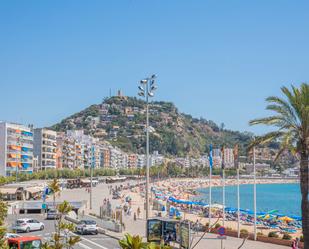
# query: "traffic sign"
{"points": [[221, 231]]}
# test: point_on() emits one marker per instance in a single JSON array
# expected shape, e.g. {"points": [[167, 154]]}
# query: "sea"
{"points": [[285, 198]]}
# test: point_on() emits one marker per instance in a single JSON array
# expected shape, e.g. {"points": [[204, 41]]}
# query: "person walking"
{"points": [[138, 212], [134, 216], [295, 243]]}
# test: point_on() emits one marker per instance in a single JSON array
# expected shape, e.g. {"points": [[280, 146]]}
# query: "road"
{"points": [[99, 241]]}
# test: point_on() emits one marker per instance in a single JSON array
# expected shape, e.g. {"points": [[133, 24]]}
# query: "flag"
{"points": [[210, 156], [235, 152], [222, 157]]}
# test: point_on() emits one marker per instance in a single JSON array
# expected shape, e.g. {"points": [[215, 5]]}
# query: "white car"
{"points": [[28, 225], [87, 226]]}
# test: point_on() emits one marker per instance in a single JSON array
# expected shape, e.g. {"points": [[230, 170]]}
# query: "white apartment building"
{"points": [[141, 161], [228, 157], [156, 159], [45, 148], [16, 149], [87, 151]]}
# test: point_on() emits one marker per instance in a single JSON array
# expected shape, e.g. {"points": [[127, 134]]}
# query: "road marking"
{"points": [[96, 244], [84, 246], [91, 242]]}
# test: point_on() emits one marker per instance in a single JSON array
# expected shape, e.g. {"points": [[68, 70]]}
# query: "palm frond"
{"points": [[294, 99], [284, 104], [267, 121], [260, 140]]}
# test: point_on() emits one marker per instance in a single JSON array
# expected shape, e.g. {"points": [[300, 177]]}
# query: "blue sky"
{"points": [[215, 59]]}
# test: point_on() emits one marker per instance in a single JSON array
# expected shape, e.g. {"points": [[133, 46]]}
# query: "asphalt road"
{"points": [[99, 241]]}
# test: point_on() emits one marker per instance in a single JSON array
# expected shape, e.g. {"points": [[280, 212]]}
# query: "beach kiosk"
{"points": [[166, 230]]}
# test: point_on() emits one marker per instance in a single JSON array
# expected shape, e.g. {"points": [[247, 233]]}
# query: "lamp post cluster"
{"points": [[146, 89]]}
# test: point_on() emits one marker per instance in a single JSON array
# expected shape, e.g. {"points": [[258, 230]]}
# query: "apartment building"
{"points": [[132, 161], [16, 149], [87, 149], [228, 157], [66, 148], [156, 159], [105, 157], [45, 148], [141, 161]]}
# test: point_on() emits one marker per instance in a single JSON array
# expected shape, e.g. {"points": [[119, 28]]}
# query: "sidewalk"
{"points": [[209, 241]]}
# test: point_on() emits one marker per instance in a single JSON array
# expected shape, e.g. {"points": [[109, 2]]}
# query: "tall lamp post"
{"points": [[146, 90], [91, 172]]}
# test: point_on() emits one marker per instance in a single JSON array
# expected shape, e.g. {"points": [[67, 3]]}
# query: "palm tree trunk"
{"points": [[304, 185]]}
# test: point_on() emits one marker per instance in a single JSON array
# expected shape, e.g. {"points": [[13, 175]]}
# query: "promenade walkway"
{"points": [[139, 226]]}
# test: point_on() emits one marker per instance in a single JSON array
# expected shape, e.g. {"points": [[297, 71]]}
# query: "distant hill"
{"points": [[121, 121]]}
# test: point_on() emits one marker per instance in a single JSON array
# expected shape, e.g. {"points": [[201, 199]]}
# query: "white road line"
{"points": [[91, 242], [83, 246], [96, 244]]}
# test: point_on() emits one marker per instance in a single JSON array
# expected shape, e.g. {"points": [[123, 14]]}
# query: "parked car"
{"points": [[86, 227], [27, 225], [52, 214], [25, 242]]}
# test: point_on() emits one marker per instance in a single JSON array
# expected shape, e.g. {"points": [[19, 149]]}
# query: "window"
{"points": [[35, 244]]}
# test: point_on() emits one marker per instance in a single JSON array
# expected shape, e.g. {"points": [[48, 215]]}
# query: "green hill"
{"points": [[121, 121]]}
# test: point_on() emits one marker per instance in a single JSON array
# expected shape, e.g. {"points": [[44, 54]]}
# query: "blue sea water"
{"points": [[284, 197]]}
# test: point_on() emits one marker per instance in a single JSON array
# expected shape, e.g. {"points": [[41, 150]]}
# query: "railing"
{"points": [[9, 159], [27, 145]]}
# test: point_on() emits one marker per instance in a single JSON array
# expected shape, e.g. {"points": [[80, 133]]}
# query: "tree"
{"points": [[55, 188], [132, 242], [62, 237], [3, 214], [292, 122], [136, 242]]}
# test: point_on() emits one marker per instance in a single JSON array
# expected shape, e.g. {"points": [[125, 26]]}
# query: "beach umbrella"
{"points": [[286, 219], [273, 211]]}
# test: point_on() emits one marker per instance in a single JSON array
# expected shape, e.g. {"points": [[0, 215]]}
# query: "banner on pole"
{"points": [[222, 157], [210, 157], [235, 152]]}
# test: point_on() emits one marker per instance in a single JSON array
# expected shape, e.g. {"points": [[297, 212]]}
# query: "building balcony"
{"points": [[27, 145], [13, 159]]}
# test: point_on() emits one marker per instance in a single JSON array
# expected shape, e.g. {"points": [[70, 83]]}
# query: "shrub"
{"points": [[273, 235], [301, 238], [217, 225], [229, 229], [244, 233], [260, 234], [286, 236]]}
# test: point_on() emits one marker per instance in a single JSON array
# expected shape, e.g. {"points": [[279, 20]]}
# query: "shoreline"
{"points": [[186, 189]]}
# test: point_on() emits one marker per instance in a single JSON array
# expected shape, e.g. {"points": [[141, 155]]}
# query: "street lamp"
{"points": [[146, 90]]}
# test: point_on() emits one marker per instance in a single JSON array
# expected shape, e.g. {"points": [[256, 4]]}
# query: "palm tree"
{"points": [[292, 121], [132, 242], [54, 186]]}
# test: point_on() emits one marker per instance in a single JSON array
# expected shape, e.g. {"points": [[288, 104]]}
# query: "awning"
{"points": [[34, 190], [85, 181], [14, 147], [27, 133], [8, 191], [13, 156], [13, 164]]}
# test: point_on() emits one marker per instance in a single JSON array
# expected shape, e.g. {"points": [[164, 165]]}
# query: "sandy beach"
{"points": [[185, 189]]}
